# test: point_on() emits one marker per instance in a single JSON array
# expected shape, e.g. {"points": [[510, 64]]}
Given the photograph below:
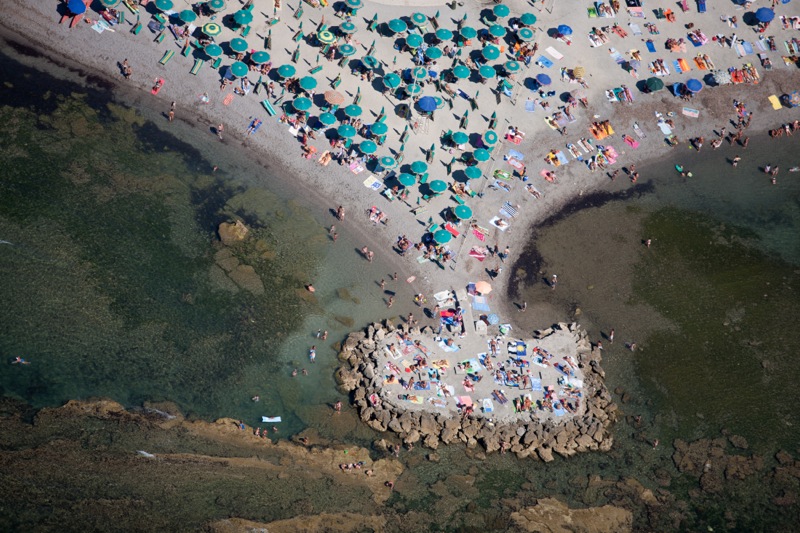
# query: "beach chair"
{"points": [[423, 179], [160, 17], [159, 38], [248, 8], [137, 28], [315, 69], [298, 36], [268, 107], [335, 83], [299, 13], [245, 31], [120, 17], [131, 5], [196, 44], [373, 26], [186, 51], [217, 62], [196, 68], [166, 57], [458, 199]]}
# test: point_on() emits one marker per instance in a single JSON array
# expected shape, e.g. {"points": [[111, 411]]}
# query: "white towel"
{"points": [[555, 54]]}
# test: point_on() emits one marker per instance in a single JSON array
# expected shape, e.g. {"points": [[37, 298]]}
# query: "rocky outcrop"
{"points": [[526, 437], [230, 233], [552, 516], [333, 523]]}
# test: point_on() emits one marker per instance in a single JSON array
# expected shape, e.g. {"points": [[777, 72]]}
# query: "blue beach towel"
{"points": [[562, 158], [558, 411], [419, 385], [546, 63], [747, 47], [536, 384], [530, 106], [479, 304], [651, 47]]}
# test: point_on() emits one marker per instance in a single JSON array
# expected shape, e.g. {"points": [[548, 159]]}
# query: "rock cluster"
{"points": [[530, 437]]}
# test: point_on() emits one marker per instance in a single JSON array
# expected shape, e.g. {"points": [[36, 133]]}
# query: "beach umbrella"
{"points": [[347, 49], [326, 37], [438, 186], [496, 30], [427, 104], [528, 19], [308, 83], [793, 99], [563, 29], [481, 155], [419, 73], [526, 35], [327, 119], [346, 131], [512, 66], [764, 14], [397, 25], [462, 212], [419, 167], [487, 72], [353, 111], [491, 52], [473, 173], [490, 137], [461, 72], [286, 71], [302, 103], [654, 84], [239, 69], [443, 34], [419, 19], [406, 180], [493, 319], [187, 16], [238, 45], [259, 57], [213, 50], [347, 27], [439, 102], [392, 81], [161, 5], [77, 7], [578, 72], [243, 17], [468, 32], [442, 236], [368, 147], [501, 11], [371, 62], [354, 4], [460, 137], [389, 163], [211, 29], [543, 79], [414, 40], [216, 5], [413, 89], [694, 85], [109, 3], [433, 52], [483, 287]]}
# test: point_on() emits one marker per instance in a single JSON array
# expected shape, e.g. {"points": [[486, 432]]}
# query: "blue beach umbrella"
{"points": [[526, 35], [392, 81], [213, 50], [543, 79], [501, 11], [563, 29], [414, 40], [473, 173], [286, 71], [419, 167], [491, 52], [327, 119], [346, 131], [368, 147], [397, 25], [407, 180], [764, 14], [443, 34], [243, 17], [462, 212], [302, 104], [239, 69], [487, 72], [442, 236], [694, 85], [427, 104], [481, 155], [461, 72], [77, 7]]}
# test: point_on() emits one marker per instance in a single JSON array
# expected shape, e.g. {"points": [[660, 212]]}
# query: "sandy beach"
{"points": [[36, 24]]}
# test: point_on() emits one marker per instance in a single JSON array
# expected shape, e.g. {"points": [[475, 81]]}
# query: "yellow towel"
{"points": [[776, 104]]}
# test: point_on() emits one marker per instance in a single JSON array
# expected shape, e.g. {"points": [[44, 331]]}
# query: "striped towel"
{"points": [[509, 210]]}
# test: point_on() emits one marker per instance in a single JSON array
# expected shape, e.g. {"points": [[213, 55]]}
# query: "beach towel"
{"points": [[748, 48], [651, 47], [635, 28], [616, 56], [357, 168], [545, 62], [413, 398], [448, 348], [422, 385], [373, 183], [442, 297], [517, 348], [478, 253], [630, 141], [509, 210], [665, 129], [740, 50], [761, 45], [776, 103], [481, 235], [499, 223], [437, 402], [684, 65], [441, 364], [488, 405], [530, 106], [441, 388], [536, 383], [561, 157], [516, 155], [464, 401], [555, 54], [689, 112], [558, 410], [677, 66], [479, 304], [228, 99], [451, 229]]}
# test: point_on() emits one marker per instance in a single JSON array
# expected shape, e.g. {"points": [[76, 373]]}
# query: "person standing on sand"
{"points": [[554, 281], [171, 115], [611, 336], [523, 307], [735, 161], [335, 236], [390, 302], [220, 129]]}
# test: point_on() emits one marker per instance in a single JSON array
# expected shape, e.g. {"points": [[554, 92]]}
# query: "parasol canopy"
{"points": [[793, 99], [405, 179], [161, 5], [481, 155], [243, 17], [347, 27], [501, 11], [211, 29], [347, 49], [462, 212], [438, 186], [301, 104], [460, 137], [419, 19], [353, 111], [239, 69], [654, 84], [473, 173], [461, 72], [368, 147], [496, 30], [433, 52], [308, 83], [346, 131], [390, 163], [371, 62], [442, 236], [427, 104], [764, 14], [109, 3], [397, 25], [259, 57], [528, 19], [354, 4], [77, 7], [419, 73], [543, 79], [526, 34], [392, 81], [563, 29], [468, 32], [419, 167], [578, 72], [238, 45], [213, 50], [216, 5], [490, 137], [413, 89], [491, 52], [414, 40], [694, 85], [487, 72], [328, 119], [286, 71], [512, 66], [187, 16], [326, 37], [443, 34], [483, 287]]}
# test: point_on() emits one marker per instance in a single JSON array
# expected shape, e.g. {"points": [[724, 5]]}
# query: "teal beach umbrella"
{"points": [[328, 119], [419, 73], [286, 71], [473, 173], [347, 49], [526, 34], [243, 17], [462, 212], [528, 19], [238, 45], [414, 40], [371, 62], [397, 25], [302, 103], [419, 167], [379, 128], [491, 52], [481, 155], [461, 72], [239, 69], [511, 66], [187, 16], [419, 19], [216, 5], [392, 81], [389, 162], [164, 5], [460, 137], [368, 147], [487, 72], [407, 180], [346, 131], [433, 52], [442, 236], [496, 30], [468, 32], [347, 27], [501, 11], [213, 50], [438, 186], [259, 57], [490, 137], [308, 83], [443, 34]]}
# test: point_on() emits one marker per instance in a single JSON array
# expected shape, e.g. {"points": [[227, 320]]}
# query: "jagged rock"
{"points": [[432, 442], [230, 233], [740, 467], [380, 334], [784, 457], [347, 379], [738, 442], [412, 437], [394, 425], [369, 372], [545, 454], [449, 434], [433, 457], [428, 425]]}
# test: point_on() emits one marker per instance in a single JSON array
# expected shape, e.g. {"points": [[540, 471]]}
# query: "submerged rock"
{"points": [[231, 233], [554, 516]]}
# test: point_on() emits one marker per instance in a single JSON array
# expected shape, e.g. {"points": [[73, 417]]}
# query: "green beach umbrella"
{"points": [[392, 80], [109, 3], [463, 212], [164, 5], [528, 19], [354, 4], [442, 236], [439, 102], [419, 73], [464, 120], [327, 119], [496, 30], [238, 45], [501, 11], [473, 173], [389, 162], [302, 103], [353, 111], [407, 180], [397, 25], [308, 83], [346, 131], [371, 62], [419, 19], [239, 69], [243, 17], [433, 52], [438, 186], [213, 50], [419, 167], [347, 49], [286, 71], [187, 16], [468, 32], [491, 52], [461, 72], [413, 89], [326, 37], [216, 5], [347, 27], [526, 34], [481, 155], [460, 137], [443, 34], [512, 66], [414, 40], [490, 137], [654, 84], [487, 72], [259, 57], [368, 147], [379, 128]]}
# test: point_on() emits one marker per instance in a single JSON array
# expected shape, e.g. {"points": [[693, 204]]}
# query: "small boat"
{"points": [[271, 419]]}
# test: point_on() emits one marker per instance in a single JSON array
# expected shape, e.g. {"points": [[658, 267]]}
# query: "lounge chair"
{"points": [[315, 69], [137, 28], [268, 107], [186, 51], [423, 179], [160, 17], [196, 68], [159, 37], [217, 62], [166, 57], [245, 31]]}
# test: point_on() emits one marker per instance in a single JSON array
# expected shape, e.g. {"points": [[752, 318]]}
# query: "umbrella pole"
{"points": [[493, 121], [474, 101], [268, 41]]}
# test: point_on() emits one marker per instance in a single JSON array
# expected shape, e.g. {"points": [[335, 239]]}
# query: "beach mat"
{"points": [[555, 54], [545, 62]]}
